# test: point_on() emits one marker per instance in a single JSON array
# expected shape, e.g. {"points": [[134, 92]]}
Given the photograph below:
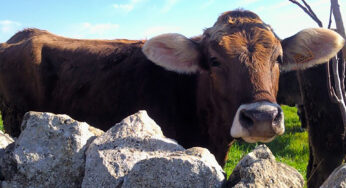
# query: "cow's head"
{"points": [[242, 58]]}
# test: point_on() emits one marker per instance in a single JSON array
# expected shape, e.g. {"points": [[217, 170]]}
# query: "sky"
{"points": [[143, 19]]}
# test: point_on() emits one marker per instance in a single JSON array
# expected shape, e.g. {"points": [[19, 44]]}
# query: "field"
{"points": [[291, 148]]}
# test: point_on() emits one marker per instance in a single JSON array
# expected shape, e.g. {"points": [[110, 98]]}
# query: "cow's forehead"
{"points": [[238, 17], [243, 32]]}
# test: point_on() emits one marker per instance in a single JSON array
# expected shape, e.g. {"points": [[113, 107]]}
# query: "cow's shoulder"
{"points": [[26, 34]]}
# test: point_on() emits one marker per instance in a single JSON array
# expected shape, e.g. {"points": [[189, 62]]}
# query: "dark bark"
{"points": [[324, 107], [325, 127], [338, 18]]}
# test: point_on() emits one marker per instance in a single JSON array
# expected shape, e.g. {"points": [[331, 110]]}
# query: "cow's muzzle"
{"points": [[258, 122]]}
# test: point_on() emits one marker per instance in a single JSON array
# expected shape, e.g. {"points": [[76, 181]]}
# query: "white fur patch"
{"points": [[311, 47], [174, 52], [238, 131]]}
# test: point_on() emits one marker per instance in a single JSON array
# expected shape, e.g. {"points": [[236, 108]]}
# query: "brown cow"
{"points": [[203, 91]]}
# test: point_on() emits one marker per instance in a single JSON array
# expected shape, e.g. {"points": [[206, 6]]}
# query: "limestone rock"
{"points": [[7, 168], [5, 140], [337, 178], [6, 143], [50, 151], [179, 169], [259, 169], [136, 149]]}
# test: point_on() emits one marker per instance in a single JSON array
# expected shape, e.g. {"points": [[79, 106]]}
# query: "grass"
{"points": [[291, 148], [1, 124]]}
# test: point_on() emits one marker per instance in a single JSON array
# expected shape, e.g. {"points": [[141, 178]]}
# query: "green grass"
{"points": [[1, 124], [291, 148]]}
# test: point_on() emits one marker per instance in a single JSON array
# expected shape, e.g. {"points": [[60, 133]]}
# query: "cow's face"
{"points": [[243, 56], [242, 59]]}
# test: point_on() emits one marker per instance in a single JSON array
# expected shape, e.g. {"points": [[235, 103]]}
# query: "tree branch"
{"points": [[331, 91], [313, 14], [339, 23], [307, 11], [330, 17], [343, 72], [339, 92]]}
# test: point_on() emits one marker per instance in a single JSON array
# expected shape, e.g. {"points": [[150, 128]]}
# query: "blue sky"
{"points": [[142, 19]]}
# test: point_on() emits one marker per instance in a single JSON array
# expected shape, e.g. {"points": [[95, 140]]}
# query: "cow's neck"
{"points": [[213, 119]]}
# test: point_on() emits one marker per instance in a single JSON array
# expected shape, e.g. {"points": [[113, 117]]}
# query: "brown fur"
{"points": [[101, 81]]}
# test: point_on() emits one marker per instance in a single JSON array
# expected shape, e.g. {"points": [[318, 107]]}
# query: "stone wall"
{"points": [[57, 151]]}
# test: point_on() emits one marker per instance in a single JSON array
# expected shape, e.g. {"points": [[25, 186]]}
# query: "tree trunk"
{"points": [[338, 22], [325, 126]]}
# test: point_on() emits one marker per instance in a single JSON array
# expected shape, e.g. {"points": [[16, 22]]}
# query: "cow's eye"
{"points": [[214, 62], [280, 59]]}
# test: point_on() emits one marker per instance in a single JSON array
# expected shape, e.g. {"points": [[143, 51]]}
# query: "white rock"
{"points": [[259, 169], [136, 145], [337, 178], [5, 140], [179, 169], [50, 151], [6, 148]]}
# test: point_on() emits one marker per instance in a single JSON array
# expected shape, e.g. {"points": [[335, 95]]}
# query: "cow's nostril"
{"points": [[254, 116], [278, 117], [245, 119]]}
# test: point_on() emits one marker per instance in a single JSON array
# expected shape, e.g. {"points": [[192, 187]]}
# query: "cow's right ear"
{"points": [[310, 47], [173, 52]]}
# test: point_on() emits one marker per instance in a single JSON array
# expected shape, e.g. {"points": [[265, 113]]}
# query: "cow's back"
{"points": [[96, 81]]}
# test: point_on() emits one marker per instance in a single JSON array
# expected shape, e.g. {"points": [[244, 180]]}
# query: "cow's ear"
{"points": [[310, 47], [173, 52]]}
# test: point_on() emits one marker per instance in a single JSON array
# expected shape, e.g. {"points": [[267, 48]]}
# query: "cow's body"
{"points": [[100, 82], [229, 89]]}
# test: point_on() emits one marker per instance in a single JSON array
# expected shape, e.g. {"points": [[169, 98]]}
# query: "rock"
{"points": [[5, 140], [337, 178], [6, 148], [135, 153], [50, 151], [179, 169], [259, 169]]}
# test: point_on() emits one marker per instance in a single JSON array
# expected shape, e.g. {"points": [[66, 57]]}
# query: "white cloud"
{"points": [[168, 5], [127, 7], [157, 30], [8, 26], [94, 31]]}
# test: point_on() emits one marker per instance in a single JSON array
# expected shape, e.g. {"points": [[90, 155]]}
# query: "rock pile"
{"points": [[57, 151]]}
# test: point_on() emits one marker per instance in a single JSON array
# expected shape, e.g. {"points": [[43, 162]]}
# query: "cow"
{"points": [[202, 91]]}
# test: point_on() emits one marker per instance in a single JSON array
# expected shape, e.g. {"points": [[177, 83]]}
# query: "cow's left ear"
{"points": [[310, 47], [173, 52]]}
